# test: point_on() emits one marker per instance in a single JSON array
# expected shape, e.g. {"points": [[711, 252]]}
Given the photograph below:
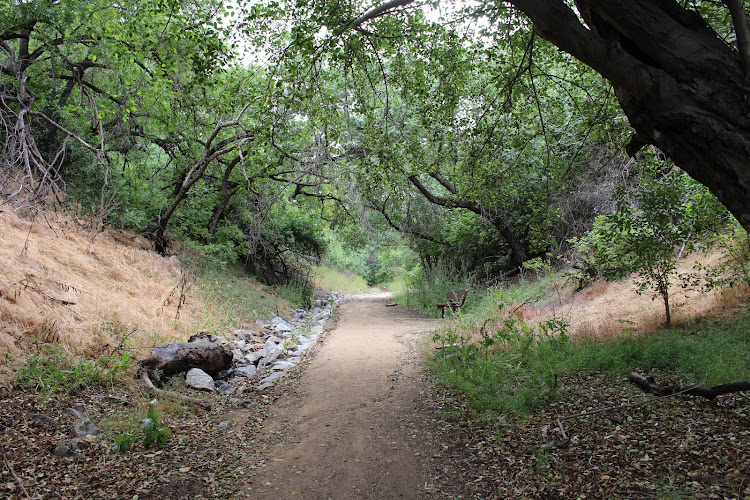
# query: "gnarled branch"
{"points": [[379, 11], [648, 384]]}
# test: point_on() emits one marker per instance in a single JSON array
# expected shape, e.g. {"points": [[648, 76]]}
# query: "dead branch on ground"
{"points": [[559, 443], [12, 472], [648, 384], [693, 390]]}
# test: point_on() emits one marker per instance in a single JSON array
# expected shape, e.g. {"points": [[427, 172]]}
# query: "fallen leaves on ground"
{"points": [[680, 447], [676, 447], [201, 460]]}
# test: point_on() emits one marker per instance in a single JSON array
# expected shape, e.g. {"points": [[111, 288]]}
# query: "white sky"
{"points": [[255, 56]]}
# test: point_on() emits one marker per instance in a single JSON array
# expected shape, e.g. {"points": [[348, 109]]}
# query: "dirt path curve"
{"points": [[354, 426]]}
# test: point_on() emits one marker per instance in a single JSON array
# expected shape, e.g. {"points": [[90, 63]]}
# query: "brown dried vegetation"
{"points": [[61, 284], [606, 309]]}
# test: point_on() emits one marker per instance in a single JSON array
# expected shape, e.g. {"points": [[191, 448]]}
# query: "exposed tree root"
{"points": [[174, 395]]}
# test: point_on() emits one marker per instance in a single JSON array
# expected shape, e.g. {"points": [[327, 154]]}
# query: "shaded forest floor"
{"points": [[675, 447]]}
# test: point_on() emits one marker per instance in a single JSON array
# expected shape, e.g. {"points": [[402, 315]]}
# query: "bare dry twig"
{"points": [[12, 472], [565, 441]]}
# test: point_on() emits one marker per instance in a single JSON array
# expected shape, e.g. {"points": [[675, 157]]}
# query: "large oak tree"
{"points": [[683, 88]]}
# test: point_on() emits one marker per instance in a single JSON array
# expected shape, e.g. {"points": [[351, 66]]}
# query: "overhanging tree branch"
{"points": [[402, 229], [518, 253], [379, 11]]}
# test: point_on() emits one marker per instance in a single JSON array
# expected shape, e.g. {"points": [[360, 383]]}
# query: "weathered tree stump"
{"points": [[171, 359]]}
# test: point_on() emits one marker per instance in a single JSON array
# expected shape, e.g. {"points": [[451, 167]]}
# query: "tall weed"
{"points": [[512, 370], [298, 291], [429, 285]]}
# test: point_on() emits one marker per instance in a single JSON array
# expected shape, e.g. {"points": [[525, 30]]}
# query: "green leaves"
{"points": [[153, 433], [53, 370], [654, 223], [150, 429]]}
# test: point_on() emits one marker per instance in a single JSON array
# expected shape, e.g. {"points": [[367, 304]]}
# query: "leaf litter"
{"points": [[677, 447]]}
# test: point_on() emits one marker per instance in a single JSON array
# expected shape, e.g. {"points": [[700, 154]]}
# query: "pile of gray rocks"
{"points": [[264, 355]]}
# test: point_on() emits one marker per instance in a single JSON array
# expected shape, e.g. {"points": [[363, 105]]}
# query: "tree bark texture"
{"points": [[682, 87], [177, 358]]}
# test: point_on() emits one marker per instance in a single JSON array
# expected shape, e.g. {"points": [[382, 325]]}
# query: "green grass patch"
{"points": [[398, 288], [53, 370], [334, 280], [709, 352], [513, 370], [516, 369], [235, 299]]}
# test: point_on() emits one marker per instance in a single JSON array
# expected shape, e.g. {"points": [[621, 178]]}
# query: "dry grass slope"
{"points": [[61, 284], [604, 310]]}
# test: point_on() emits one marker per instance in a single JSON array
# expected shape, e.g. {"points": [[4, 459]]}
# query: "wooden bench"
{"points": [[454, 300]]}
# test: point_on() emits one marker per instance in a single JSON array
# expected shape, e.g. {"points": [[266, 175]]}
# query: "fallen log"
{"points": [[648, 384], [211, 357]]}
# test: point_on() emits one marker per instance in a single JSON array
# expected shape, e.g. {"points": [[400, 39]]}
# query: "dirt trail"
{"points": [[354, 426]]}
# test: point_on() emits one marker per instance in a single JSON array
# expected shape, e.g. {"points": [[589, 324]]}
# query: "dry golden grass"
{"points": [[85, 291], [605, 309]]}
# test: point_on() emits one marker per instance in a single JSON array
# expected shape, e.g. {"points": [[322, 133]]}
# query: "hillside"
{"points": [[605, 309], [90, 291]]}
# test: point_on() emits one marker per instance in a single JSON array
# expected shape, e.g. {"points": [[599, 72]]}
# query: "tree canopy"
{"points": [[493, 131]]}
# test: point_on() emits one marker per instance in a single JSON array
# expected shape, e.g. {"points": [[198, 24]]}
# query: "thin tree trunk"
{"points": [[227, 193], [665, 296]]}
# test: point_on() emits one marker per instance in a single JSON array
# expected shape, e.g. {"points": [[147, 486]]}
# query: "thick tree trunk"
{"points": [[518, 253], [682, 88]]}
